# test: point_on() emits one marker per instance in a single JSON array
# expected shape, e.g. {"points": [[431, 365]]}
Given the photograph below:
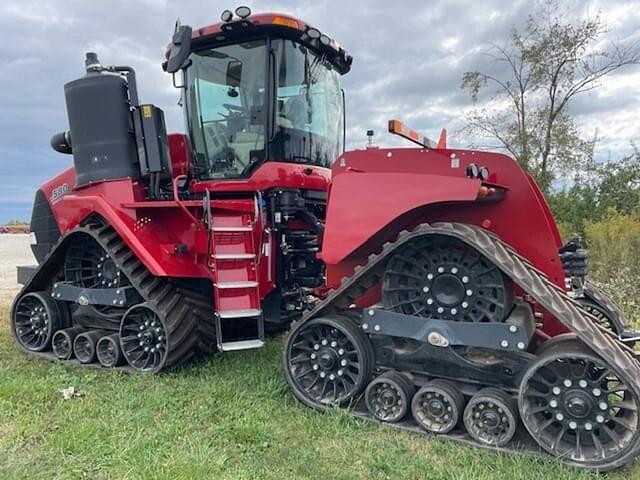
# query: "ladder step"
{"points": [[227, 285], [241, 345], [248, 313], [245, 228], [234, 256]]}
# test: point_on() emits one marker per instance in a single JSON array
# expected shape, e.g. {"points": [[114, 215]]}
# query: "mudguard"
{"points": [[363, 203]]}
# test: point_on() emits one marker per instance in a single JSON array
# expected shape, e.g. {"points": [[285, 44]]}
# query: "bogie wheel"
{"points": [[388, 396], [62, 342], [577, 408], [437, 406], [327, 361], [35, 318], [491, 417], [144, 339], [109, 352], [441, 277], [84, 345]]}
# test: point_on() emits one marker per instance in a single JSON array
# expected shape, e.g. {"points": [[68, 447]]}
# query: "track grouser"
{"points": [[426, 287]]}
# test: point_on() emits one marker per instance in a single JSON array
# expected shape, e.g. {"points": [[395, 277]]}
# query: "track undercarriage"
{"points": [[482, 378], [92, 299]]}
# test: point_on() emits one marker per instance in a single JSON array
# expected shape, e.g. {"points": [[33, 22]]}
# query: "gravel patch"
{"points": [[15, 249]]}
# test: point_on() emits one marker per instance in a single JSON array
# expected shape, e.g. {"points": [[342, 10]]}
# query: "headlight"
{"points": [[243, 12]]}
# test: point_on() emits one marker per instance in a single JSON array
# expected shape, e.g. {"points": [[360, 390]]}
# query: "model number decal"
{"points": [[58, 192]]}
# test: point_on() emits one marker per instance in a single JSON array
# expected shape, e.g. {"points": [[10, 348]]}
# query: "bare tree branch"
{"points": [[549, 62]]}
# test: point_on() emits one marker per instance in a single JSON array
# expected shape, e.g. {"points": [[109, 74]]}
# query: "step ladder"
{"points": [[234, 259]]}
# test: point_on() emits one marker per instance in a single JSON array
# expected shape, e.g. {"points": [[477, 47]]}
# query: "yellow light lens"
{"points": [[287, 22]]}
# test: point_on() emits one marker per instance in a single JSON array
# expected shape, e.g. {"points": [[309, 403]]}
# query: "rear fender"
{"points": [[75, 207]]}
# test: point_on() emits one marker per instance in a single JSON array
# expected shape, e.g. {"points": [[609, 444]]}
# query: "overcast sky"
{"points": [[409, 57]]}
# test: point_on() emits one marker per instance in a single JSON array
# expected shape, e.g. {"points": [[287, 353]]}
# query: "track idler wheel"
{"points": [[84, 345], [437, 406], [575, 407], [491, 417], [62, 342], [388, 396], [35, 318], [143, 339], [327, 361], [109, 352], [604, 317]]}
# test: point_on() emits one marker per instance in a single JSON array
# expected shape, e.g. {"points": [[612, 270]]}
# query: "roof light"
{"points": [[313, 33], [243, 12], [324, 40], [286, 22], [226, 16]]}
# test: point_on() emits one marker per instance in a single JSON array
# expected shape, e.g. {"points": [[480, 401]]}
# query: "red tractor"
{"points": [[425, 286]]}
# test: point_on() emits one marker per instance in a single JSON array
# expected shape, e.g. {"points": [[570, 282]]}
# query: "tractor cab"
{"points": [[256, 89]]}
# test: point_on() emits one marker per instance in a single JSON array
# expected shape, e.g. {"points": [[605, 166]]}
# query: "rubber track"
{"points": [[187, 315], [533, 282]]}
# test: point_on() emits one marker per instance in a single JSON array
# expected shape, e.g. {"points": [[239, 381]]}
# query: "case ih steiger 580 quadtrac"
{"points": [[427, 287]]}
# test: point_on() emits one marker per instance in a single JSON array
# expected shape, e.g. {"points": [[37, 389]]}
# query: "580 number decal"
{"points": [[58, 192]]}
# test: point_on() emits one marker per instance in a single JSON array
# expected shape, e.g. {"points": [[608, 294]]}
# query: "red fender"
{"points": [[362, 204], [71, 207]]}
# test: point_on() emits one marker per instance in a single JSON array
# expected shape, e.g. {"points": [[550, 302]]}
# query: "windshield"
{"points": [[227, 108], [309, 108], [225, 98]]}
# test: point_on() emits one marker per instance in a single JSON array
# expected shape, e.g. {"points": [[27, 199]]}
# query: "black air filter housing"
{"points": [[101, 125]]}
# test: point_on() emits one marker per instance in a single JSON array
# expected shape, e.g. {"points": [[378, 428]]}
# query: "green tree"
{"points": [[14, 221], [536, 75], [595, 191]]}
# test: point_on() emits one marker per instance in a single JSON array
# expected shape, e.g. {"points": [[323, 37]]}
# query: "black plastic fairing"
{"points": [[44, 226]]}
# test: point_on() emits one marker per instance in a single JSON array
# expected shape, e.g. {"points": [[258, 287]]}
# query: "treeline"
{"points": [[601, 203]]}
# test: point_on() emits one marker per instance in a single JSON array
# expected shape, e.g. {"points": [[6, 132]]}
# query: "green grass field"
{"points": [[230, 417]]}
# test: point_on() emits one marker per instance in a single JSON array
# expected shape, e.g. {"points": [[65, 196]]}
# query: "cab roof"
{"points": [[277, 24]]}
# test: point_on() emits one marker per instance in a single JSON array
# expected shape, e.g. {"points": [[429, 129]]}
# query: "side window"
{"points": [[309, 107], [212, 95]]}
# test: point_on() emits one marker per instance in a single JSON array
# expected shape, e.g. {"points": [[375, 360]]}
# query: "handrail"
{"points": [[176, 197], [258, 215]]}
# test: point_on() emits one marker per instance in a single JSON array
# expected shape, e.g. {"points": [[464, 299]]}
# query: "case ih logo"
{"points": [[58, 192]]}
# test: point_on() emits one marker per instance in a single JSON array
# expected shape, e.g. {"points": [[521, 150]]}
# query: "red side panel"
{"points": [[362, 204]]}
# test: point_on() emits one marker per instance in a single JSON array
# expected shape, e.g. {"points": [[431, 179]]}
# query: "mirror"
{"points": [[234, 73], [180, 48]]}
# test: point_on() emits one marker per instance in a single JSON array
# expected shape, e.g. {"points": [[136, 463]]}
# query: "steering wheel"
{"points": [[235, 108]]}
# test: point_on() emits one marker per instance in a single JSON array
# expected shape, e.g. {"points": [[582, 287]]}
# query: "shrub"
{"points": [[614, 242], [614, 255]]}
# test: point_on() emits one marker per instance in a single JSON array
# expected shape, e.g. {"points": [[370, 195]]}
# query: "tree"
{"points": [[597, 190], [14, 221], [536, 75]]}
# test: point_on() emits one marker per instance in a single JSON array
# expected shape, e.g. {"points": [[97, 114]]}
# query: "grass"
{"points": [[230, 417]]}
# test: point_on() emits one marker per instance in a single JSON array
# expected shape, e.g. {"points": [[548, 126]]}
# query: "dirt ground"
{"points": [[14, 250]]}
